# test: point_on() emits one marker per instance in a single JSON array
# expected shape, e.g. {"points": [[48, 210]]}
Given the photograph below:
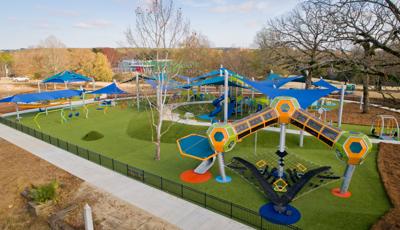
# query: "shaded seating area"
{"points": [[39, 97]]}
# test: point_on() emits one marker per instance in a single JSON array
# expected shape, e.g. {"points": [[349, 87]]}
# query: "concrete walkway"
{"points": [[176, 211]]}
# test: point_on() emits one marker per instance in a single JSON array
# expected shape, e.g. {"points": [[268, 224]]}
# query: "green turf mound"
{"points": [[92, 136]]}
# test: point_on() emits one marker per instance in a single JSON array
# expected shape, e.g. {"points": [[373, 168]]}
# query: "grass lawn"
{"points": [[127, 138]]}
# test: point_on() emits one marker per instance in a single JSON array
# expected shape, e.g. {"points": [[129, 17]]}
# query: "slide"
{"points": [[231, 108], [204, 166], [219, 107], [217, 110]]}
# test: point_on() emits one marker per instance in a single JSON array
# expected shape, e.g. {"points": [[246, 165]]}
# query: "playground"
{"points": [[128, 130], [256, 171]]}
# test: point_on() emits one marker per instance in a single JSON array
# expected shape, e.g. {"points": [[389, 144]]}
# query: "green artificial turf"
{"points": [[127, 138]]}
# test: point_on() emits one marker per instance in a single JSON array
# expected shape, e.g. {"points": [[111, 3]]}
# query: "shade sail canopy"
{"points": [[67, 76], [305, 97], [278, 82], [206, 75], [109, 89], [325, 84], [273, 76], [43, 96], [214, 81]]}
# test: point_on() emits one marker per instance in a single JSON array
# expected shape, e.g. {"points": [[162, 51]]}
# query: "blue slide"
{"points": [[218, 107]]}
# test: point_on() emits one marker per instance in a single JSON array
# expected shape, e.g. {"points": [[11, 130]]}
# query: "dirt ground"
{"points": [[20, 169], [389, 169], [353, 115]]}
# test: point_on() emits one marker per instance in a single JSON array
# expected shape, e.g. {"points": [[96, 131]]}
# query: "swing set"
{"points": [[385, 127]]}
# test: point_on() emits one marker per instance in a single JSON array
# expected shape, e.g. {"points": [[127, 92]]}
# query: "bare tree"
{"points": [[370, 26], [301, 35], [159, 26], [55, 53]]}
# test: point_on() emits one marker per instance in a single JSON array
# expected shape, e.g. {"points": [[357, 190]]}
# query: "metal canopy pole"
{"points": [[17, 110], [188, 90], [137, 92], [226, 99], [341, 106]]}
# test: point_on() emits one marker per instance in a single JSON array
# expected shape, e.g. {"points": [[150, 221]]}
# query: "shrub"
{"points": [[44, 193]]}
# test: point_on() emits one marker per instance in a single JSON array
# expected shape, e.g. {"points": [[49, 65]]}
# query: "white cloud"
{"points": [[93, 24]]}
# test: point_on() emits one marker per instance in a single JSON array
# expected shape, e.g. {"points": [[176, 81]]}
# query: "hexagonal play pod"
{"points": [[353, 147], [285, 106], [222, 137]]}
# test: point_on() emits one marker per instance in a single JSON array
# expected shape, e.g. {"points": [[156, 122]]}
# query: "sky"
{"points": [[101, 23]]}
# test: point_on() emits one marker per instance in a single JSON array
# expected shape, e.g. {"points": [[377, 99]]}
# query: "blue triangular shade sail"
{"points": [[325, 84], [278, 82], [213, 81], [209, 74], [109, 89], [305, 97], [43, 96], [67, 76], [273, 76]]}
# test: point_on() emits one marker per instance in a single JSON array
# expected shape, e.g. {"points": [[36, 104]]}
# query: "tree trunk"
{"points": [[378, 85], [365, 94], [160, 114], [5, 70], [308, 80]]}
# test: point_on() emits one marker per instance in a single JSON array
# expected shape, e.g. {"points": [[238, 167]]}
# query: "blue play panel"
{"points": [[205, 117], [196, 145]]}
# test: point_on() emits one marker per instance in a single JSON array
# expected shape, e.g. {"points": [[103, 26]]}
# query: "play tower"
{"points": [[350, 147]]}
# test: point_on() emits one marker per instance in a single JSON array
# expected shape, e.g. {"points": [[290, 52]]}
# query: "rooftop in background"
{"points": [[135, 65]]}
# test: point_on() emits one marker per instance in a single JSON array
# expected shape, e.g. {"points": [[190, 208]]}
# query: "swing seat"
{"points": [[70, 115], [77, 114]]}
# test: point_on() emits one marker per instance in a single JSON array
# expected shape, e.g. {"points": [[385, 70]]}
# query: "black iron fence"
{"points": [[203, 199]]}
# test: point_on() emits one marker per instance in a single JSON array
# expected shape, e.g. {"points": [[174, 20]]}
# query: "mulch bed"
{"points": [[353, 115], [389, 169]]}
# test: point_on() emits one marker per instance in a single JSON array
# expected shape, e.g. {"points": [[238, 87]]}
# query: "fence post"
{"points": [[112, 160], [99, 157], [67, 146], [231, 210], [182, 190], [161, 179], [77, 150], [58, 142], [87, 153], [143, 176], [127, 169], [205, 200]]}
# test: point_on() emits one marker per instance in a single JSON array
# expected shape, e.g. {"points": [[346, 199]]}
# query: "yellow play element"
{"points": [[301, 167], [280, 185], [261, 163]]}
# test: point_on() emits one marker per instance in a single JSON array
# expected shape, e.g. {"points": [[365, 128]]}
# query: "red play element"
{"points": [[336, 192], [190, 176]]}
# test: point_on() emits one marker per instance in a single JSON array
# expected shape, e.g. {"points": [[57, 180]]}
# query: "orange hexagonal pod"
{"points": [[218, 137], [355, 149], [285, 109]]}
